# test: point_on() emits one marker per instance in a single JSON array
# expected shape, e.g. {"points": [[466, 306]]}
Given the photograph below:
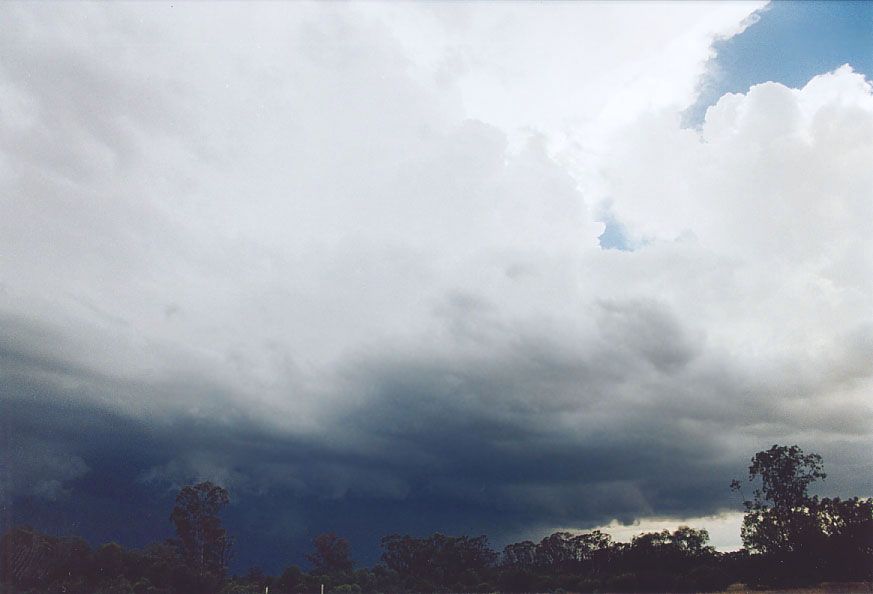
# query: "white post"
{"points": [[322, 588]]}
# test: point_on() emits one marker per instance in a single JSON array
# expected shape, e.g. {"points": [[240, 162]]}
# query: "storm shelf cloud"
{"points": [[413, 267]]}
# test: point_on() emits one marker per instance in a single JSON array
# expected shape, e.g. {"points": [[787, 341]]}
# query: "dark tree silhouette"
{"points": [[331, 554], [560, 550], [520, 554], [847, 527], [780, 516], [204, 542], [30, 559], [290, 579], [799, 538], [459, 562]]}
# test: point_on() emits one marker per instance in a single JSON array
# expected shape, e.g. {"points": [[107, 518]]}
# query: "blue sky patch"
{"points": [[790, 43]]}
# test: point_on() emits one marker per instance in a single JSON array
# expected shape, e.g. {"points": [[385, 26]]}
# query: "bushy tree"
{"points": [[289, 580], [561, 551], [779, 517], [439, 560], [203, 541], [331, 555], [519, 555], [801, 538]]}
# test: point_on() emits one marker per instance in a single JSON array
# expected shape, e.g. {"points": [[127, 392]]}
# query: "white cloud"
{"points": [[571, 71], [775, 189], [724, 529]]}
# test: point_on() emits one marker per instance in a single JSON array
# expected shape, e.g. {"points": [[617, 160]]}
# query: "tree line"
{"points": [[791, 539]]}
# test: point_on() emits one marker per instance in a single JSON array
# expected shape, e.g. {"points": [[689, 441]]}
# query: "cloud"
{"points": [[289, 249], [39, 470]]}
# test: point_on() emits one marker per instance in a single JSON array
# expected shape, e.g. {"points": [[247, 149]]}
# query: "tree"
{"points": [[560, 551], [691, 542], [331, 554], [519, 554], [802, 538], [438, 560], [847, 537], [779, 516], [289, 580], [32, 561], [204, 542], [786, 473], [109, 561]]}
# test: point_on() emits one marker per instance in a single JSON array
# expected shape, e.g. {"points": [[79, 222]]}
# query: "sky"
{"points": [[459, 267]]}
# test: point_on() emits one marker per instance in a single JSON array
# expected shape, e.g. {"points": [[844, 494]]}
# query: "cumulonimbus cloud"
{"points": [[299, 247]]}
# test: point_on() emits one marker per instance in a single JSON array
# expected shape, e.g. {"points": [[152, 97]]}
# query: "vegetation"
{"points": [[791, 538]]}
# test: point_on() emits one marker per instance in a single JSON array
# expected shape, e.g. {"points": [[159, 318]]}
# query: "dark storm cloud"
{"points": [[414, 458], [434, 445], [512, 440]]}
